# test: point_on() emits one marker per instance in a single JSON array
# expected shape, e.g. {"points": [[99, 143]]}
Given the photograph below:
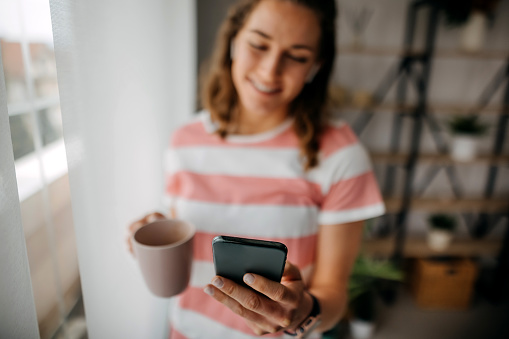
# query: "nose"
{"points": [[271, 66]]}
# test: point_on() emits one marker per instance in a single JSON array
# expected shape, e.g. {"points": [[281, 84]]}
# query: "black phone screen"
{"points": [[234, 257]]}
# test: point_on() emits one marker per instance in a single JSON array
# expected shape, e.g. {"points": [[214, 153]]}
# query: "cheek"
{"points": [[295, 82], [243, 60], [238, 82], [240, 68]]}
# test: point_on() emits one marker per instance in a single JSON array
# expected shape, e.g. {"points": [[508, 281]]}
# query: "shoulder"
{"points": [[342, 155], [337, 136], [342, 158], [198, 130]]}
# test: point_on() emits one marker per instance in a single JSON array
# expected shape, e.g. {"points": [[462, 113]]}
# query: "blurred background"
{"points": [[425, 85]]}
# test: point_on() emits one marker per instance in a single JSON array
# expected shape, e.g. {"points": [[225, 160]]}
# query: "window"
{"points": [[33, 105], [32, 91]]}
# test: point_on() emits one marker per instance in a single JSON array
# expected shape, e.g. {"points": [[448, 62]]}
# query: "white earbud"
{"points": [[312, 72]]}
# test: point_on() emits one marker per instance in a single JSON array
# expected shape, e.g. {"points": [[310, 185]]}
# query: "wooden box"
{"points": [[443, 284]]}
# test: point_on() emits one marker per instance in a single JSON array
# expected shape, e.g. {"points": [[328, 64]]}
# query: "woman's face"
{"points": [[272, 56]]}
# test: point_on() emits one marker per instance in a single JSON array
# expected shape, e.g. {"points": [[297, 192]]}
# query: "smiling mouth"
{"points": [[264, 89]]}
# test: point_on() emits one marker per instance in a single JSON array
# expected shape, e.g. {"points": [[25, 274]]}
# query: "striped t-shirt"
{"points": [[255, 186]]}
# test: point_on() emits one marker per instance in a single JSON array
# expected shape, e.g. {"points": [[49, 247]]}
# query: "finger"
{"points": [[129, 245], [291, 272], [259, 330], [135, 226], [253, 301], [140, 223], [256, 322], [154, 217], [130, 232], [145, 220], [274, 290]]}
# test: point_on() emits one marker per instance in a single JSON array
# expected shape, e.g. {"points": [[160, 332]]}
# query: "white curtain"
{"points": [[126, 74], [17, 309]]}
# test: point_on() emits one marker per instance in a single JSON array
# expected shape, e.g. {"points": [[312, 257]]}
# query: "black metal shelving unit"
{"points": [[413, 71]]}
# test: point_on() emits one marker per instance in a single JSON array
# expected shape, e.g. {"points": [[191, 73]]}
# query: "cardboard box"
{"points": [[438, 284]]}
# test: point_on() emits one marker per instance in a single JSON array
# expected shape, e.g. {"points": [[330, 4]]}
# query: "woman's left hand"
{"points": [[277, 306]]}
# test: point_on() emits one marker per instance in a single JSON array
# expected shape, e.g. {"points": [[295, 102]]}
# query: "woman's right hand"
{"points": [[154, 216]]}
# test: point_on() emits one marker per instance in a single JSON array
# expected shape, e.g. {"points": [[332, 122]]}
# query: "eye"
{"points": [[301, 60], [258, 47]]}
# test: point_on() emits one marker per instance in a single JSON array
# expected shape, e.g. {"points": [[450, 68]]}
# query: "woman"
{"points": [[263, 161]]}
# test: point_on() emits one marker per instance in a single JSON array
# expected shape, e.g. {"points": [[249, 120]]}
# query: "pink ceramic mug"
{"points": [[164, 250]]}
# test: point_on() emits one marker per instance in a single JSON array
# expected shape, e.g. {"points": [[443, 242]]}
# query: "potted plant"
{"points": [[466, 131], [441, 229], [474, 16], [366, 275]]}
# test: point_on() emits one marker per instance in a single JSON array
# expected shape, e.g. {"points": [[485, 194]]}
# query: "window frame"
{"points": [[30, 177]]}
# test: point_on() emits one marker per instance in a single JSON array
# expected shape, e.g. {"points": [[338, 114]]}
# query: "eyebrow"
{"points": [[266, 36]]}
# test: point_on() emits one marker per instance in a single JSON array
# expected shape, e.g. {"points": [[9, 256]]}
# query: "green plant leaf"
{"points": [[367, 271], [467, 124], [442, 221]]}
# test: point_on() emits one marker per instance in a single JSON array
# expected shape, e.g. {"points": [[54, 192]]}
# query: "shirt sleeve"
{"points": [[349, 186]]}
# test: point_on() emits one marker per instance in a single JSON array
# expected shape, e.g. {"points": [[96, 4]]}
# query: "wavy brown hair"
{"points": [[308, 108]]}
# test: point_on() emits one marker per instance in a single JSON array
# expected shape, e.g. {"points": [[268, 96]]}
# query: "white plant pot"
{"points": [[439, 240], [361, 329], [474, 32], [464, 147]]}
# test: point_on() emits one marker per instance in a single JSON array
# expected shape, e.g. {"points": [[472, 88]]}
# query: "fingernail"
{"points": [[218, 282], [249, 278], [151, 218], [209, 290], [286, 322]]}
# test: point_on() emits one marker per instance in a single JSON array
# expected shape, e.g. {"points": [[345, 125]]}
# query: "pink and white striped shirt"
{"points": [[255, 186]]}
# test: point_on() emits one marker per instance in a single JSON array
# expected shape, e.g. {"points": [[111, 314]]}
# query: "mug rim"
{"points": [[159, 247]]}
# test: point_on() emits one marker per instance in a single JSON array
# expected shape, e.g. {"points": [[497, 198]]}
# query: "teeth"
{"points": [[263, 88]]}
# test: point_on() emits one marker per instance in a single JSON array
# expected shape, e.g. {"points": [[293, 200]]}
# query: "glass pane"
{"points": [[53, 263], [21, 135], [14, 71], [50, 124], [44, 70]]}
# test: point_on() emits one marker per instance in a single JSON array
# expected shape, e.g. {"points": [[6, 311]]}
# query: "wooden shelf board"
{"points": [[444, 159], [434, 108], [451, 205], [454, 108], [439, 53], [418, 248]]}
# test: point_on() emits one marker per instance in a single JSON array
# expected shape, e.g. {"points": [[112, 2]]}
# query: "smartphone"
{"points": [[234, 257]]}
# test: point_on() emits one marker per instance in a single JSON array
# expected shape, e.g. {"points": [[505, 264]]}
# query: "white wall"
{"points": [[17, 309], [126, 72]]}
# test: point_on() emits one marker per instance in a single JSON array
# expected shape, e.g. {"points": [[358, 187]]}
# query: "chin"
{"points": [[262, 109]]}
